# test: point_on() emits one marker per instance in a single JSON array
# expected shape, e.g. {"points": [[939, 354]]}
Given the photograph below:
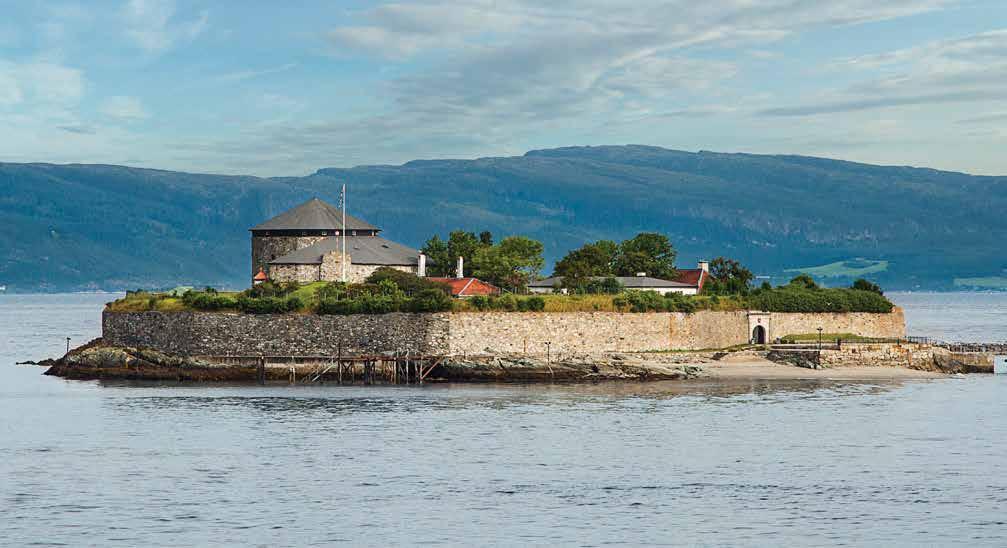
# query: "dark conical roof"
{"points": [[314, 215]]}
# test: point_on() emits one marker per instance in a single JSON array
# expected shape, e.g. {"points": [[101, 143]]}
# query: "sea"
{"points": [[805, 463]]}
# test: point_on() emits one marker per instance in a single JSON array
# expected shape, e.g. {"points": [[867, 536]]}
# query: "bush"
{"points": [[535, 304], [864, 285], [431, 300], [338, 306], [480, 302], [409, 283], [803, 281], [268, 305], [331, 291], [272, 289], [676, 302], [795, 299], [506, 302], [641, 301], [208, 300]]}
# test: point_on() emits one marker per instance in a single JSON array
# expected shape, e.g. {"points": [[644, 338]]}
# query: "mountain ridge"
{"points": [[101, 226]]}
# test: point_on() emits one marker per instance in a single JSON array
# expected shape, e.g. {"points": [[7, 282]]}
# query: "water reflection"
{"points": [[333, 401]]}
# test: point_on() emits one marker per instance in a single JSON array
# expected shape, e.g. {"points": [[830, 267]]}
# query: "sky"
{"points": [[285, 88]]}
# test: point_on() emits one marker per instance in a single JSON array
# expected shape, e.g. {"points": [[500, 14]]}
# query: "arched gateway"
{"points": [[759, 328]]}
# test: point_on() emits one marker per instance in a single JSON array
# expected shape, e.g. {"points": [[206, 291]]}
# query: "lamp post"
{"points": [[819, 347], [548, 358]]}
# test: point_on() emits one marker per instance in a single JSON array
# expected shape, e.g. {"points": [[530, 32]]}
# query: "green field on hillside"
{"points": [[989, 282], [850, 268]]}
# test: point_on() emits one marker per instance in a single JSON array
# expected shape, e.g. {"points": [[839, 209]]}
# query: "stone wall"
{"points": [[864, 324], [302, 273], [267, 248], [218, 334], [330, 269], [209, 333], [577, 332]]}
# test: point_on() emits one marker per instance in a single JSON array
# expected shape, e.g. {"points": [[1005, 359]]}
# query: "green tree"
{"points": [[486, 238], [647, 252], [803, 281], [511, 264], [864, 285], [728, 277], [463, 244], [439, 260], [595, 259]]}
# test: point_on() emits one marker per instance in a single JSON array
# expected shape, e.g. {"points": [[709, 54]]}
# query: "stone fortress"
{"points": [[305, 244]]}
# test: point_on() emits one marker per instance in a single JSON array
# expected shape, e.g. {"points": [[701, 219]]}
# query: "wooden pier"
{"points": [[398, 368]]}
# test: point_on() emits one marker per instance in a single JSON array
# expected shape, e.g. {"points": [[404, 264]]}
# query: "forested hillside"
{"points": [[108, 227]]}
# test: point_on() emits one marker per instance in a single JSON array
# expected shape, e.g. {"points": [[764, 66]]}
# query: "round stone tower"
{"points": [[301, 227]]}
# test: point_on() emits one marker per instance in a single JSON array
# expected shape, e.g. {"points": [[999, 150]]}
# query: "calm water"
{"points": [[958, 317], [676, 463]]}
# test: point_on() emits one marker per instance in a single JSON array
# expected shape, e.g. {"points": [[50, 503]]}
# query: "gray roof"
{"points": [[314, 215], [361, 249], [629, 282]]}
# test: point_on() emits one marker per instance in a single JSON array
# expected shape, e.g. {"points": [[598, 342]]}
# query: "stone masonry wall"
{"points": [[331, 268], [267, 248], [578, 332], [218, 334], [858, 323], [302, 273]]}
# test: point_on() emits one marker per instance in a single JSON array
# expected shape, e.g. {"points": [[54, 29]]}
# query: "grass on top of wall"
{"points": [[145, 301], [386, 296], [826, 337]]}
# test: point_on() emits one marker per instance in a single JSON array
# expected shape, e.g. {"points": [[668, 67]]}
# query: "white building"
{"points": [[688, 282]]}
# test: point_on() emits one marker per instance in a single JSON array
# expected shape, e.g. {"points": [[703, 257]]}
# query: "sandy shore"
{"points": [[760, 369]]}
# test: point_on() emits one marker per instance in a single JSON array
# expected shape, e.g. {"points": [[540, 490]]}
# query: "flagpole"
{"points": [[344, 234]]}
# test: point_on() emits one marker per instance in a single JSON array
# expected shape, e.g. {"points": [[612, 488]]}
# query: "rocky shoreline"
{"points": [[98, 360]]}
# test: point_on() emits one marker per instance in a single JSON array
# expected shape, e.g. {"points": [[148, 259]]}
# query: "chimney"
{"points": [[460, 272], [421, 269], [704, 266]]}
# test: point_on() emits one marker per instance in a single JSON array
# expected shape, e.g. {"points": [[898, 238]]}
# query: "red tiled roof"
{"points": [[692, 276], [261, 276], [468, 287]]}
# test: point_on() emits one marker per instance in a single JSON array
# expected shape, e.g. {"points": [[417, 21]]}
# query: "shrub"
{"points": [[535, 304], [272, 289], [864, 285], [409, 283], [331, 291], [796, 299], [430, 300], [676, 302], [480, 302], [803, 281], [208, 300], [268, 305], [641, 301], [338, 306], [506, 302]]}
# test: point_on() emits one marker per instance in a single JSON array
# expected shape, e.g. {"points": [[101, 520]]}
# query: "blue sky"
{"points": [[271, 88]]}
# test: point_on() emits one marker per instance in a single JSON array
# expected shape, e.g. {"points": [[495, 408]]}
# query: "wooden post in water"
{"points": [[260, 373]]}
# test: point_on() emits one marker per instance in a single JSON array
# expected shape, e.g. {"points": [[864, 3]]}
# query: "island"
{"points": [[330, 300]]}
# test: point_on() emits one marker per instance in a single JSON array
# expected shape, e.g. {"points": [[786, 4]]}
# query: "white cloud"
{"points": [[961, 70], [124, 108], [40, 83], [153, 26]]}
